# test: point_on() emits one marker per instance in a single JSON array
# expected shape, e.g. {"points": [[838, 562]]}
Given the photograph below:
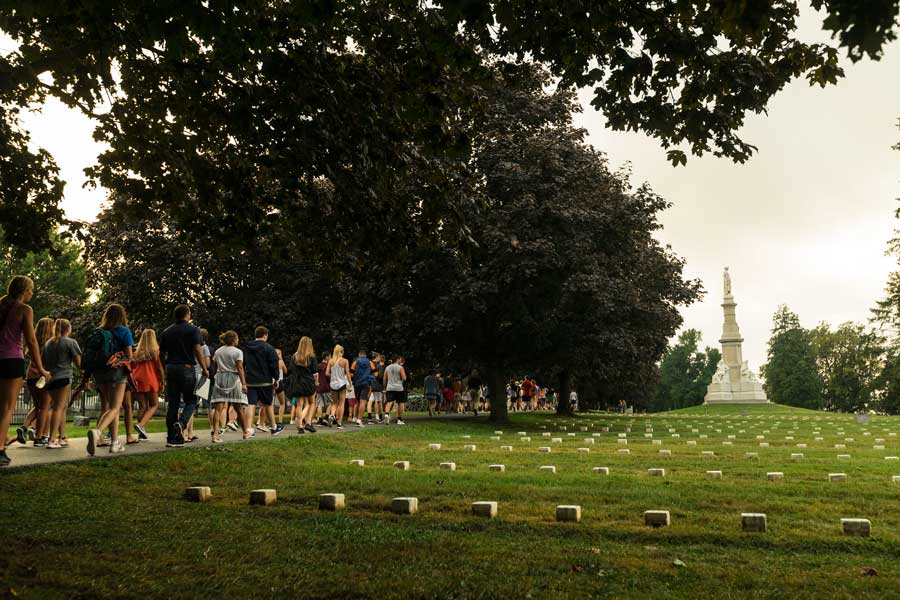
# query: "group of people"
{"points": [[235, 380]]}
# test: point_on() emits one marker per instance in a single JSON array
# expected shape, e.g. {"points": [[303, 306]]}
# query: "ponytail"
{"points": [[61, 328]]}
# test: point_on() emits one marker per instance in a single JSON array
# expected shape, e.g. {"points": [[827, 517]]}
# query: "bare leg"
{"points": [[9, 393], [59, 402], [115, 392]]}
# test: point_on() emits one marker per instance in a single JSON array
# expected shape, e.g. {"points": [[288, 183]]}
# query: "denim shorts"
{"points": [[108, 376]]}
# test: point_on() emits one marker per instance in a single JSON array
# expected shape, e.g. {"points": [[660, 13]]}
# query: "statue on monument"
{"points": [[721, 375], [727, 282]]}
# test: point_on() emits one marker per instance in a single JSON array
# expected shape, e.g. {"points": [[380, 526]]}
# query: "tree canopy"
{"points": [[226, 114], [685, 373]]}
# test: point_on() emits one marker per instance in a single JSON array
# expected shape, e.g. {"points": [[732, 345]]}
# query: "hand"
{"points": [[206, 373], [244, 388], [45, 374]]}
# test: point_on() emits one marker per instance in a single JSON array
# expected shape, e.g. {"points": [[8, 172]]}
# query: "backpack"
{"points": [[97, 350]]}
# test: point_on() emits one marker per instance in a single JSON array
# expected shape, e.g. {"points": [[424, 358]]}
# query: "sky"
{"points": [[805, 222]]}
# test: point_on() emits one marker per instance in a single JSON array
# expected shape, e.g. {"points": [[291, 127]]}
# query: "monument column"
{"points": [[733, 381]]}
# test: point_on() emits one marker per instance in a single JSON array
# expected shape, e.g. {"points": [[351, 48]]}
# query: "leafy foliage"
{"points": [[849, 363], [791, 372], [685, 372], [60, 278], [225, 116]]}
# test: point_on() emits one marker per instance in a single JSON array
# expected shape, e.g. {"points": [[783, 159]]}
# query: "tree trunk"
{"points": [[497, 387], [565, 387]]}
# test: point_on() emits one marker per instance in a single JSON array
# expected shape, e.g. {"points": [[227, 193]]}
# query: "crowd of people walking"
{"points": [[238, 383]]}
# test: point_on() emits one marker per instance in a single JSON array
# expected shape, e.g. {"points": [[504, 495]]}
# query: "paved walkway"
{"points": [[24, 457]]}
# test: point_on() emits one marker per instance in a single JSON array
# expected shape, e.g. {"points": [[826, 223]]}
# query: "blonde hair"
{"points": [[44, 331], [229, 338], [61, 328], [304, 351], [336, 355], [148, 347], [113, 316], [18, 285]]}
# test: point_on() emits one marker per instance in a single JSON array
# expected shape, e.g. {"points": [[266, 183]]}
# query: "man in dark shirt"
{"points": [[180, 349], [261, 367]]}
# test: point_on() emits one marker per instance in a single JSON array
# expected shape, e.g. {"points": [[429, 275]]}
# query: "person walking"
{"points": [[376, 399], [202, 402], [59, 355], [180, 350], [361, 369], [337, 372], [36, 425], [323, 391], [261, 366], [230, 387], [474, 390], [111, 341], [16, 326], [301, 383], [432, 392], [148, 376], [394, 378]]}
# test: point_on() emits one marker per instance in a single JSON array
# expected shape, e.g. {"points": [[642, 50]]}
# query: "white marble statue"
{"points": [[721, 374], [746, 373], [727, 282]]}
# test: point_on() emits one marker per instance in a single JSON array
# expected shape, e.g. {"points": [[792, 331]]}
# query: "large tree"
{"points": [[563, 274], [849, 360], [791, 372], [59, 276], [685, 372], [224, 113]]}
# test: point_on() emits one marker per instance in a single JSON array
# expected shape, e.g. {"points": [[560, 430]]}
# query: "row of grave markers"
{"points": [[750, 522]]}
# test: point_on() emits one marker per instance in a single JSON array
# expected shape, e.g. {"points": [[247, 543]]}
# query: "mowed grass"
{"points": [[121, 528]]}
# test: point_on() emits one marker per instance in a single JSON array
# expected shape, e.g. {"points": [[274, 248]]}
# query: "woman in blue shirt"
{"points": [[111, 379]]}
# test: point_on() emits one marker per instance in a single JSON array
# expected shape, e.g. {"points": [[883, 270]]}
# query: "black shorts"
{"points": [[398, 397], [58, 384], [260, 395], [12, 368]]}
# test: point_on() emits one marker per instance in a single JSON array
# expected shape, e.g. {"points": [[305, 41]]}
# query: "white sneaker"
{"points": [[116, 447], [387, 419], [400, 422], [261, 428], [359, 423]]}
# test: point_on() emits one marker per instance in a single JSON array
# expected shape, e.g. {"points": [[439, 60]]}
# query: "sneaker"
{"points": [[232, 426], [338, 425], [116, 447], [359, 423], [261, 428], [218, 440], [293, 421], [250, 434], [21, 435], [31, 434], [142, 433], [387, 419], [371, 421], [278, 429], [54, 446], [92, 435], [309, 428], [4, 458], [300, 431], [325, 422], [179, 433], [221, 430], [174, 445], [400, 422]]}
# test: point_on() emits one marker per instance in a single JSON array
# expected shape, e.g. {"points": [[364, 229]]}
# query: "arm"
{"points": [[402, 373], [328, 369], [241, 375], [31, 340], [201, 360], [274, 367]]}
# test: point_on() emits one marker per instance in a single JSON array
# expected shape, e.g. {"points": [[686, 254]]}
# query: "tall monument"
{"points": [[733, 381]]}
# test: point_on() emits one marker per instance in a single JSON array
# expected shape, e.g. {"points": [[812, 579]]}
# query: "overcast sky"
{"points": [[805, 222]]}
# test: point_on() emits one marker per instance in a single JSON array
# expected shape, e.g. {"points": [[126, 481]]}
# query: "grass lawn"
{"points": [[120, 528]]}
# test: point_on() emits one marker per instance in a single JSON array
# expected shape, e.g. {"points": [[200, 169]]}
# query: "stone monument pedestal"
{"points": [[733, 381]]}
